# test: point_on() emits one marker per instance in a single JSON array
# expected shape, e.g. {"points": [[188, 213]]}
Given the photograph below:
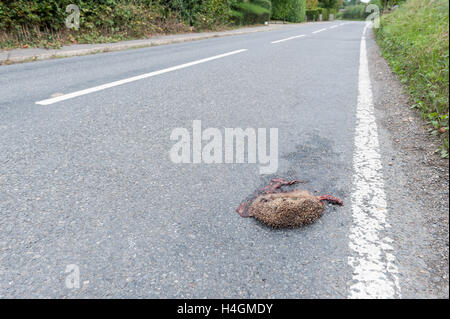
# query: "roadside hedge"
{"points": [[253, 12], [355, 12], [263, 3], [42, 22], [313, 14], [289, 10]]}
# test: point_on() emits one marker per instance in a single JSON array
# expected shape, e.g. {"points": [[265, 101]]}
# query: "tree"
{"points": [[289, 10], [329, 4], [312, 4]]}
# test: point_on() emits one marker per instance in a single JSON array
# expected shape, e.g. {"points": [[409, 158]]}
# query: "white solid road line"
{"points": [[372, 258], [319, 30], [287, 39], [334, 26], [134, 78]]}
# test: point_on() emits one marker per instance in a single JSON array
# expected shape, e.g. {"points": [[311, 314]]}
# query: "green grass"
{"points": [[414, 39]]}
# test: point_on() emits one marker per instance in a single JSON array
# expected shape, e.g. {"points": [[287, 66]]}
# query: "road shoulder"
{"points": [[417, 185]]}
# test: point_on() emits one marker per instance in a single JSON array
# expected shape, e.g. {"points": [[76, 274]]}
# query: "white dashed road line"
{"points": [[303, 35], [372, 258], [134, 78], [317, 31], [287, 39]]}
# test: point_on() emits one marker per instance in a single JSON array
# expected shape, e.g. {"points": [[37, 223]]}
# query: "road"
{"points": [[87, 184]]}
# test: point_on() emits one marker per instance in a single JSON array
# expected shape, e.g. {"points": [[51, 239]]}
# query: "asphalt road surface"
{"points": [[88, 190]]}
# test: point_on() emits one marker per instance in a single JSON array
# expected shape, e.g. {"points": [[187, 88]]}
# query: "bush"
{"points": [[212, 13], [251, 13], [42, 22], [289, 10], [312, 4], [355, 12], [325, 14], [328, 4], [312, 15], [237, 17], [332, 12], [414, 39], [379, 3], [263, 3]]}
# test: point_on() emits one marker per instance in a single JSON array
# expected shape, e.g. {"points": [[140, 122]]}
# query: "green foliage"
{"points": [[250, 11], [312, 4], [355, 12], [289, 10], [203, 13], [352, 2], [212, 13], [325, 14], [237, 17], [31, 22], [263, 3], [379, 3], [253, 13], [329, 4], [313, 14], [414, 39], [42, 22]]}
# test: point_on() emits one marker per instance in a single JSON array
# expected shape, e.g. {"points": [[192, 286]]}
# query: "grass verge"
{"points": [[414, 40]]}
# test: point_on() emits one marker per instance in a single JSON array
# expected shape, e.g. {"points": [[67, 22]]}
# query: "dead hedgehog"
{"points": [[285, 209]]}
